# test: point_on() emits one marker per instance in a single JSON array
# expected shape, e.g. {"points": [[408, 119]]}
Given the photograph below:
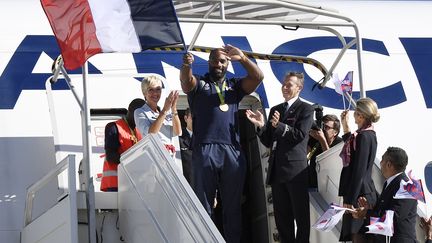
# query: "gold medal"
{"points": [[221, 93], [224, 107]]}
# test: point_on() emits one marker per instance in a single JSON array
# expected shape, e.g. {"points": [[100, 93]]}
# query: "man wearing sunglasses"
{"points": [[320, 140]]}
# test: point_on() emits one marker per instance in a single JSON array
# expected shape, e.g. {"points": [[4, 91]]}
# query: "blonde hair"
{"points": [[150, 81], [369, 109]]}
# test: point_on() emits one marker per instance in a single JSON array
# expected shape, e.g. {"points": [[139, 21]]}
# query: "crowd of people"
{"points": [[215, 166]]}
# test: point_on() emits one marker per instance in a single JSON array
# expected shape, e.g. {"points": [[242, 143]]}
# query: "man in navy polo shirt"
{"points": [[217, 160]]}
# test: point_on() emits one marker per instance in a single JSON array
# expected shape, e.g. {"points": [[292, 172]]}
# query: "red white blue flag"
{"points": [[412, 189], [383, 225], [344, 86], [330, 218], [347, 83], [84, 28]]}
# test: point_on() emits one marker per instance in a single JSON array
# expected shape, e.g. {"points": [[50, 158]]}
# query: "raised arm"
{"points": [[157, 124], [345, 121], [254, 74], [187, 80], [320, 137], [176, 120]]}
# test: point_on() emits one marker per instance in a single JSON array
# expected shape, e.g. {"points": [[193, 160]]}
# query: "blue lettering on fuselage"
{"points": [[18, 76], [385, 97], [419, 51]]}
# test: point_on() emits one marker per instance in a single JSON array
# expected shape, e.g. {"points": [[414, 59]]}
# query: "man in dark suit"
{"points": [[287, 133], [186, 146], [393, 164]]}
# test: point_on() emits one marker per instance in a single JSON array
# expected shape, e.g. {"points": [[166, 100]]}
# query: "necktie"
{"points": [[286, 107], [385, 185]]}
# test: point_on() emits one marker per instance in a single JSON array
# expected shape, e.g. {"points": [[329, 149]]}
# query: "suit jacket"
{"points": [[288, 141], [405, 213], [356, 179]]}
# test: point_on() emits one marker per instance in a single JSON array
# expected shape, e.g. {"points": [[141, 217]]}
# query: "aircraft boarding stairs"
{"points": [[156, 204]]}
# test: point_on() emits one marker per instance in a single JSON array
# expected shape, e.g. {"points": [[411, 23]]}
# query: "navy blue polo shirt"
{"points": [[210, 123]]}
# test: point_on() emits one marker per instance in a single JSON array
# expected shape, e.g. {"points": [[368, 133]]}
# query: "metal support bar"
{"points": [[222, 9], [71, 86], [91, 215], [265, 22], [73, 199], [52, 112], [88, 184], [359, 61], [341, 53], [200, 26], [337, 60]]}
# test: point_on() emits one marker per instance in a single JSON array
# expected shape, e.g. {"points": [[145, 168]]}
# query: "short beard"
{"points": [[217, 76]]}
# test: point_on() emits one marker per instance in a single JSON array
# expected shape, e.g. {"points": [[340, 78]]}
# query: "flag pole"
{"points": [[349, 104], [350, 99], [88, 181], [343, 100]]}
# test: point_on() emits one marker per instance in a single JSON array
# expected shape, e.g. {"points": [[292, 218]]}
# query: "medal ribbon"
{"points": [[220, 93]]}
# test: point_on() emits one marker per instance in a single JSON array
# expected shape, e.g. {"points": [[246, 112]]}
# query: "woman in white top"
{"points": [[151, 119]]}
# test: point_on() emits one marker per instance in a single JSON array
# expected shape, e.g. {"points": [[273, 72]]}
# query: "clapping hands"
{"points": [[171, 101], [256, 118], [361, 211], [275, 119]]}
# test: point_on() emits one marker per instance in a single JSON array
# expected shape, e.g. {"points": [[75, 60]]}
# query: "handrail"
{"points": [[66, 163]]}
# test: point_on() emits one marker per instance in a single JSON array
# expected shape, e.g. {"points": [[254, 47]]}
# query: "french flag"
{"points": [[84, 28]]}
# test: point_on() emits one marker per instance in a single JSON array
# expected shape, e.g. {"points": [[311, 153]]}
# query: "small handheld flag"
{"points": [[344, 87], [383, 225], [347, 83], [412, 189], [330, 218]]}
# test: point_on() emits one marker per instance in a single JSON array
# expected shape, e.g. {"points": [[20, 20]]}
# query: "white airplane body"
{"points": [[397, 50]]}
